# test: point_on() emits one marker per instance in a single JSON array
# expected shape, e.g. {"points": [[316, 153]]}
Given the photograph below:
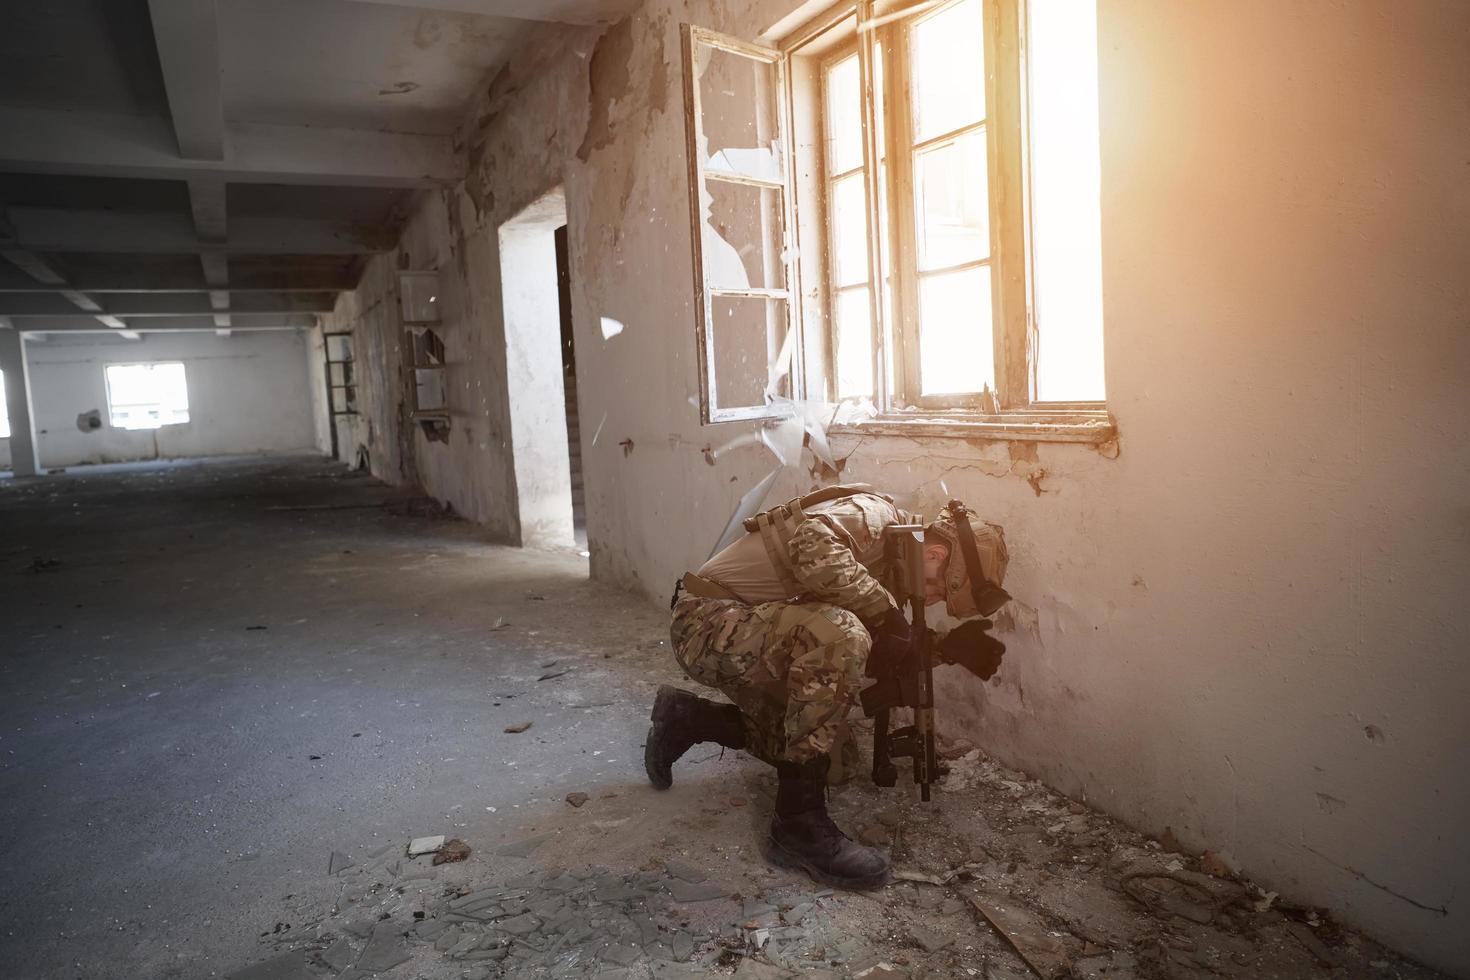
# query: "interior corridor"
{"points": [[1066, 382]]}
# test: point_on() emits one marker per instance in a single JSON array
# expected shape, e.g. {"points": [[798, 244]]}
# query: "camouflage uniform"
{"points": [[795, 666]]}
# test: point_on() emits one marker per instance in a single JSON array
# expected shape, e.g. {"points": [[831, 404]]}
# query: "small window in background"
{"points": [[4, 410], [147, 396]]}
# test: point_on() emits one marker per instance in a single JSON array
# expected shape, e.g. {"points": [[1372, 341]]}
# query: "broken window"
{"points": [[944, 207], [147, 396], [739, 201]]}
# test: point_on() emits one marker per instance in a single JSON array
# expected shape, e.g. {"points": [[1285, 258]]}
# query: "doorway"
{"points": [[535, 291], [569, 384]]}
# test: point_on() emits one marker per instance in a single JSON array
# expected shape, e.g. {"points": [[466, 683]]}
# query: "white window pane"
{"points": [[1066, 188], [147, 396], [849, 231], [743, 232], [4, 410], [844, 117], [952, 202], [956, 352], [737, 114], [948, 58], [854, 344], [747, 334]]}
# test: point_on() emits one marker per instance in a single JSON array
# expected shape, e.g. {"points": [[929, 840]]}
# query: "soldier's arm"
{"points": [[825, 563]]}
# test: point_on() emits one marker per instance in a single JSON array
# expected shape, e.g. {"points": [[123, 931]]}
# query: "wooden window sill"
{"points": [[1022, 426]]}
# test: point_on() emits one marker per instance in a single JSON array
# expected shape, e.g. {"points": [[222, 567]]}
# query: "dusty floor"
{"points": [[216, 675]]}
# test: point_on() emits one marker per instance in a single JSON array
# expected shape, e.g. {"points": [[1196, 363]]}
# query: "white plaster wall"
{"points": [[532, 316], [248, 393], [1246, 619]]}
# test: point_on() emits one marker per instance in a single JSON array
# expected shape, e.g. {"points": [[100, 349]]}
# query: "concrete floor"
{"points": [[212, 675], [207, 693]]}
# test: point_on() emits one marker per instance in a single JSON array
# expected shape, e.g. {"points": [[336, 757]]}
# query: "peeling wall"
{"points": [[1249, 605], [248, 393], [316, 382], [381, 428]]}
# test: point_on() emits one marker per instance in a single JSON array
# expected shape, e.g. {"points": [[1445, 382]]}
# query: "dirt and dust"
{"points": [[997, 878]]}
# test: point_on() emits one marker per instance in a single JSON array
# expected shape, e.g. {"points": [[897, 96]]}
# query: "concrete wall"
{"points": [[248, 393], [315, 352], [1244, 620]]}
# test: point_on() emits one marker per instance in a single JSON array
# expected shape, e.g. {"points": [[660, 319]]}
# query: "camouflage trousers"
{"points": [[793, 668]]}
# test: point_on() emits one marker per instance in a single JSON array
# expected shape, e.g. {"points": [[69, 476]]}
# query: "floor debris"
{"points": [[338, 862], [425, 845], [1027, 934], [577, 799], [453, 850], [517, 728]]}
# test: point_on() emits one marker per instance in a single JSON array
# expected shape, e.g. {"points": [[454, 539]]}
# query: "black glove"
{"points": [[974, 649], [893, 644]]}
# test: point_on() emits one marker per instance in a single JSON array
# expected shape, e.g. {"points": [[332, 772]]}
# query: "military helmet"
{"points": [[987, 544]]}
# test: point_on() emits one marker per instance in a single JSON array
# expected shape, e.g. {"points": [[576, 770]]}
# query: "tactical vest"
{"points": [[778, 525]]}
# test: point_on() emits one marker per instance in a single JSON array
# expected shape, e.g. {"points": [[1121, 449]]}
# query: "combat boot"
{"points": [[803, 835], [681, 720]]}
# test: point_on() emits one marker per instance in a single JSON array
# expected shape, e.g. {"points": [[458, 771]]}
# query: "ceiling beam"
{"points": [[43, 272], [34, 268], [108, 145], [555, 11], [124, 280], [216, 267], [58, 230], [186, 34], [149, 324], [207, 204], [166, 304]]}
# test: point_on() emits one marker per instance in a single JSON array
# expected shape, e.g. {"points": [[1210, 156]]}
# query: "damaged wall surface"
{"points": [[248, 393], [1244, 619]]}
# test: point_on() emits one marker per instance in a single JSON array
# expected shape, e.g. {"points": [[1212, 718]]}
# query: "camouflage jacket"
{"points": [[836, 553], [832, 551]]}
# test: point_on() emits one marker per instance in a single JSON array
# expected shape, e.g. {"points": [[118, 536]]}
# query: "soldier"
{"points": [[784, 622]]}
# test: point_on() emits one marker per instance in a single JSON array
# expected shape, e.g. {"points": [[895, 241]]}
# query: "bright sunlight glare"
{"points": [[1065, 193]]}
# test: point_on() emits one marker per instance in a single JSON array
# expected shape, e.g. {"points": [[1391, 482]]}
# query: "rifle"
{"points": [[911, 683]]}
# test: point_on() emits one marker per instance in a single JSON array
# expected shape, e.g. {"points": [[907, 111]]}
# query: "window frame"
{"points": [[112, 404], [1011, 409], [832, 288], [710, 411]]}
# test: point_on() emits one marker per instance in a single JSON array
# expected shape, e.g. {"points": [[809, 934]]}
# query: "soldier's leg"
{"points": [[794, 671], [704, 634], [822, 651]]}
